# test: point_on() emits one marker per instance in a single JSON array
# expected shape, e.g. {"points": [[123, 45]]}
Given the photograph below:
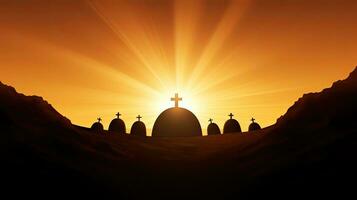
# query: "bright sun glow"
{"points": [[188, 101], [168, 56], [95, 58]]}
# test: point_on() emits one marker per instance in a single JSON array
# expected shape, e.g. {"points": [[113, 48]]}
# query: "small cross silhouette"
{"points": [[118, 115], [231, 115], [210, 120], [252, 120], [176, 99], [139, 117], [99, 119]]}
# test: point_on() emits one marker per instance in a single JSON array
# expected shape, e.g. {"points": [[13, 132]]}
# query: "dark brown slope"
{"points": [[334, 107], [313, 146], [311, 150], [18, 109]]}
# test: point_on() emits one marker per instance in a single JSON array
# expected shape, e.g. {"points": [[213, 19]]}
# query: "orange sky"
{"points": [[252, 58]]}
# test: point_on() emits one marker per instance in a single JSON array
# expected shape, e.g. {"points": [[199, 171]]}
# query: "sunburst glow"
{"points": [[94, 58]]}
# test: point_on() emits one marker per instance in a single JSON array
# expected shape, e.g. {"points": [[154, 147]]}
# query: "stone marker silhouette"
{"points": [[138, 127], [253, 126], [213, 128], [176, 122], [231, 125], [117, 125], [97, 126]]}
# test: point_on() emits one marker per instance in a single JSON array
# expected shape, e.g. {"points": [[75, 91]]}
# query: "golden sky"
{"points": [[253, 58]]}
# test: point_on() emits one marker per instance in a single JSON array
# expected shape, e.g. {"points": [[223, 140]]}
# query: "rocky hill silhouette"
{"points": [[334, 107], [309, 152], [18, 109]]}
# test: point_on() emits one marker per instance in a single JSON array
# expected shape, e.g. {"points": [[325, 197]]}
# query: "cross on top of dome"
{"points": [[253, 120], [176, 99], [139, 117], [210, 120], [231, 115], [118, 115], [99, 119]]}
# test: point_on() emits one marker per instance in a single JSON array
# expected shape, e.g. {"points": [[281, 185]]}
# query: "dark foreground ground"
{"points": [[310, 152]]}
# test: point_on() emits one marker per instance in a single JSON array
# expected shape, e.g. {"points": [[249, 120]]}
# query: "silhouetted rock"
{"points": [[27, 110], [117, 125], [231, 125], [138, 128], [213, 128], [335, 107], [97, 127], [36, 142], [254, 126], [175, 122]]}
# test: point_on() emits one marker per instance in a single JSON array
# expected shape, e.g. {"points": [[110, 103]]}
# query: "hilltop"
{"points": [[310, 150]]}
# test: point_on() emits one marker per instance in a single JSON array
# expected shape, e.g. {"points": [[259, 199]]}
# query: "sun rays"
{"points": [[94, 58], [224, 28], [156, 50], [197, 75]]}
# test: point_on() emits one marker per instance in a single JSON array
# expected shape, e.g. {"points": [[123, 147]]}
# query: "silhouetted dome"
{"points": [[254, 126], [175, 122], [138, 128], [97, 127], [213, 129], [232, 126], [117, 125]]}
